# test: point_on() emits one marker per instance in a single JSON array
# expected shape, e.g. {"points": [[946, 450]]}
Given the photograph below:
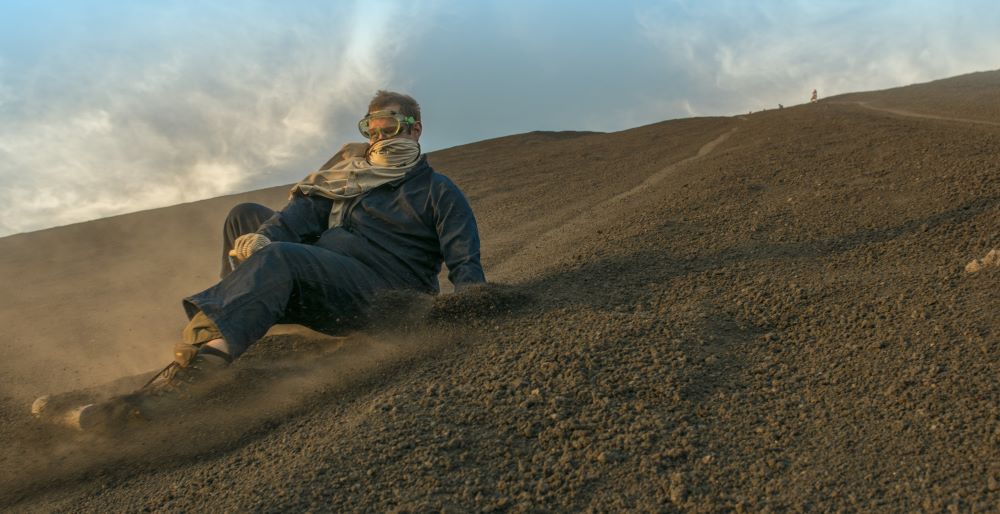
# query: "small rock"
{"points": [[678, 491], [991, 259]]}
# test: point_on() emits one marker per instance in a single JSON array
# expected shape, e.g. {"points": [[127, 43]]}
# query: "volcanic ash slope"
{"points": [[766, 312]]}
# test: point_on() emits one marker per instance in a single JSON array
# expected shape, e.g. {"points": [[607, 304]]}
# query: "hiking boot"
{"points": [[70, 412], [167, 392], [175, 386]]}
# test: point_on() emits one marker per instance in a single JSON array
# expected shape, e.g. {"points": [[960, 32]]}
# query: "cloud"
{"points": [[173, 102], [736, 56], [113, 107]]}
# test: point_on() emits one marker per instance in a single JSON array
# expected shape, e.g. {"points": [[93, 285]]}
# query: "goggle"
{"points": [[385, 124]]}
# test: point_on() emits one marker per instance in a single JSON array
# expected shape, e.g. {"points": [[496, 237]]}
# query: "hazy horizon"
{"points": [[108, 108]]}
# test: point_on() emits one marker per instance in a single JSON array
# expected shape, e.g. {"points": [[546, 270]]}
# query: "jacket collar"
{"points": [[420, 168]]}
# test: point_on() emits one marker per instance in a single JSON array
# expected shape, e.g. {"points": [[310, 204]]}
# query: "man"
{"points": [[376, 217]]}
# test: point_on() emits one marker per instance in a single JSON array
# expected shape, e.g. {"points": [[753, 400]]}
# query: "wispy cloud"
{"points": [[183, 101], [109, 107], [735, 55]]}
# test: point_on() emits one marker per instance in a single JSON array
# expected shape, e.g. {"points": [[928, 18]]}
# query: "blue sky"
{"points": [[109, 107]]}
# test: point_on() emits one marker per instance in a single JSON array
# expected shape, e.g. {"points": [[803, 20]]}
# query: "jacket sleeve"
{"points": [[303, 218], [458, 236]]}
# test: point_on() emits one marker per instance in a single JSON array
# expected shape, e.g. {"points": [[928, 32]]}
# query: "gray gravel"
{"points": [[781, 324]]}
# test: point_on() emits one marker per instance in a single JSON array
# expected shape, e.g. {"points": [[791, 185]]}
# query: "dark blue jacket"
{"points": [[402, 230]]}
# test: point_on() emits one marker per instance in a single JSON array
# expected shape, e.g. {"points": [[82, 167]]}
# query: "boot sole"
{"points": [[74, 417]]}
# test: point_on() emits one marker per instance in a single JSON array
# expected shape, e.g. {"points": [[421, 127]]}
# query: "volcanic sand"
{"points": [[765, 312]]}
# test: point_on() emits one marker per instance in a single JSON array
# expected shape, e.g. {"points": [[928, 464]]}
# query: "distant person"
{"points": [[376, 217], [814, 97]]}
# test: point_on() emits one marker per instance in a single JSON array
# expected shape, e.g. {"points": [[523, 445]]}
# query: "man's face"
{"points": [[406, 131]]}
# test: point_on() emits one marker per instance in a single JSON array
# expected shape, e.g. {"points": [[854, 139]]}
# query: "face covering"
{"points": [[358, 168], [393, 153]]}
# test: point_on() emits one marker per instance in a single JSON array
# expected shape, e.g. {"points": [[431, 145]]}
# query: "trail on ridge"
{"points": [[561, 239], [912, 114]]}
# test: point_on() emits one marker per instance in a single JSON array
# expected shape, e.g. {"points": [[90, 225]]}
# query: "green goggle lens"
{"points": [[385, 124]]}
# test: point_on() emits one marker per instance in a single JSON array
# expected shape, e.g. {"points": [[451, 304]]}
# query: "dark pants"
{"points": [[283, 283], [242, 219]]}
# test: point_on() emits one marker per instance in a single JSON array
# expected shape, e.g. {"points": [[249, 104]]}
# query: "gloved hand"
{"points": [[245, 245]]}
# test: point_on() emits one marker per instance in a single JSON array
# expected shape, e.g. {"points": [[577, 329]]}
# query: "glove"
{"points": [[245, 245]]}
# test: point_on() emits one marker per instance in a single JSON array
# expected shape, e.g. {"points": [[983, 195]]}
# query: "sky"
{"points": [[109, 107]]}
